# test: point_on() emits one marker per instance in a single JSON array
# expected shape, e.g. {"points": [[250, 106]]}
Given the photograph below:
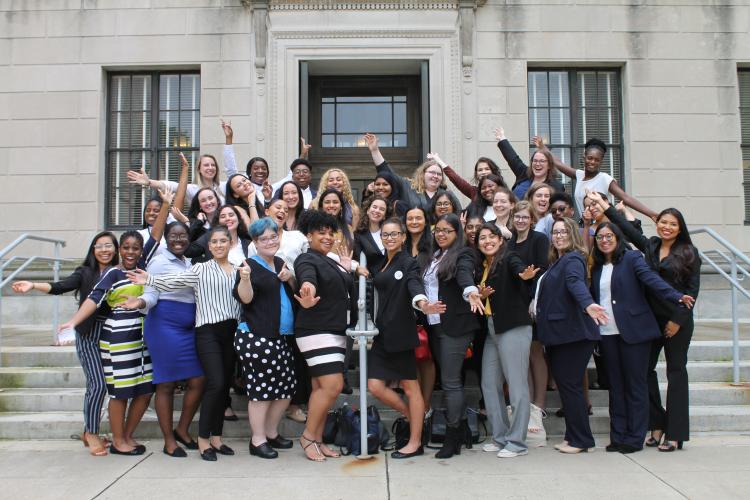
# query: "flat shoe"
{"points": [[280, 442], [192, 445], [572, 450], [223, 450], [613, 447], [560, 445], [209, 455], [397, 454], [134, 452], [176, 453], [263, 450], [231, 418], [626, 449]]}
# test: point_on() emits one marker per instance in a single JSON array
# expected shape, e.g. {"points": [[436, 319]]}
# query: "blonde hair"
{"points": [[532, 191], [198, 177], [575, 243], [417, 181], [346, 190]]}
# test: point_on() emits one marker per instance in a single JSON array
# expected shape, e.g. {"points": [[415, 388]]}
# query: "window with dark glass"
{"points": [[744, 85], [345, 119], [152, 117], [568, 107]]}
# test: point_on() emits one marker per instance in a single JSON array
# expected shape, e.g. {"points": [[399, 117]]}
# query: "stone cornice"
{"points": [[363, 4]]}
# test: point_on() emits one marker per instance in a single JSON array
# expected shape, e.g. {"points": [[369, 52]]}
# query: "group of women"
{"points": [[263, 276]]}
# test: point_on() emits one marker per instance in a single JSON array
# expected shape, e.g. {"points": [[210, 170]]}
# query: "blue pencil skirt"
{"points": [[169, 332]]}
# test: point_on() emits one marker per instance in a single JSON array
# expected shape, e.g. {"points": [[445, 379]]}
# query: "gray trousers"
{"points": [[450, 355], [506, 359]]}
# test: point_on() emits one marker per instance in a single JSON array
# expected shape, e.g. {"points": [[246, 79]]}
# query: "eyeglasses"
{"points": [[558, 210], [301, 171], [181, 237], [393, 235], [443, 204], [104, 246], [560, 232], [434, 172], [605, 237], [521, 217], [443, 231], [268, 239]]}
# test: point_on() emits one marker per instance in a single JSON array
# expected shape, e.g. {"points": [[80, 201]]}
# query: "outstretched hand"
{"points": [[432, 307], [529, 273], [538, 141], [372, 141], [131, 303], [138, 177], [137, 276], [486, 291], [166, 195], [688, 301], [22, 286], [475, 302], [598, 314], [307, 297]]}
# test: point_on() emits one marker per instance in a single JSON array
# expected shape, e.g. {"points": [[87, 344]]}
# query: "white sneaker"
{"points": [[490, 447], [506, 453]]}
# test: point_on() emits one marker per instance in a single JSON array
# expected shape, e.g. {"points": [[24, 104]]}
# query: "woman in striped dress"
{"points": [[217, 313]]}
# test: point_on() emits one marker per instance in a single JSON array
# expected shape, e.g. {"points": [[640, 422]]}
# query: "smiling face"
{"points": [[415, 221], [130, 252], [382, 188], [302, 176], [501, 205], [376, 212], [290, 195], [667, 227], [178, 241], [278, 211], [470, 229], [104, 250], [208, 202], [592, 160], [594, 209], [267, 244], [331, 204], [433, 177], [482, 169], [540, 200], [489, 188], [443, 205], [241, 186], [560, 236], [335, 180], [489, 243], [258, 171], [392, 236], [560, 209], [219, 245], [522, 221], [151, 212], [606, 241], [444, 233], [321, 240], [228, 219], [539, 166], [207, 168]]}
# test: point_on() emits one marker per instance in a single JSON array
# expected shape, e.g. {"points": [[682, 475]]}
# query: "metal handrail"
{"points": [[55, 261], [734, 258]]}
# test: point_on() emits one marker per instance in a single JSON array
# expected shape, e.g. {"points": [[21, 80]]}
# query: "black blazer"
{"points": [[263, 313], [397, 285], [198, 250], [510, 302], [664, 310], [364, 242], [333, 285], [458, 319], [562, 301], [633, 316]]}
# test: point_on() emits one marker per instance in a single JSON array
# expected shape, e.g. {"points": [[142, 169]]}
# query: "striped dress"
{"points": [[125, 358]]}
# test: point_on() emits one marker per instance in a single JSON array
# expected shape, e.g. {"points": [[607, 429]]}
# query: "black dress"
{"points": [[392, 354]]}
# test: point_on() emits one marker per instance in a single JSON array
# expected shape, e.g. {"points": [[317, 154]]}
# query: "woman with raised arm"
{"points": [[449, 278], [265, 287], [482, 168], [230, 217], [542, 168], [503, 277], [100, 257], [567, 319], [386, 186], [200, 214], [619, 279], [216, 318], [444, 202], [672, 255], [483, 200], [590, 178], [320, 325], [391, 358], [291, 193], [428, 177]]}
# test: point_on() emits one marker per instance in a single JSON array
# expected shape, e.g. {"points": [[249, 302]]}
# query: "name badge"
{"points": [[398, 275]]}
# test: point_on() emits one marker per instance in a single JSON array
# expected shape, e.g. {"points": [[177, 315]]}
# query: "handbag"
{"points": [[439, 425], [349, 429], [422, 351]]}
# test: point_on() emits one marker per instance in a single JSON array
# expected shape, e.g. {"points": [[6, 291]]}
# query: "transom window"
{"points": [[344, 119]]}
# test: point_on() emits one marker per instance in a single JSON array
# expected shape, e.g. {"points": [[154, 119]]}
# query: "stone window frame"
{"points": [[117, 190]]}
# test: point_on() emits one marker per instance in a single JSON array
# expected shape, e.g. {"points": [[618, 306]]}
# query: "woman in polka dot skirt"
{"points": [[264, 288]]}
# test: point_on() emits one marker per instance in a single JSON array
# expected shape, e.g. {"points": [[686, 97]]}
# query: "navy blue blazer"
{"points": [[631, 276], [563, 297]]}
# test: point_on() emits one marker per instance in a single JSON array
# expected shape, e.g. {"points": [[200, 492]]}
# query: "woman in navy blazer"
{"points": [[567, 318], [619, 279]]}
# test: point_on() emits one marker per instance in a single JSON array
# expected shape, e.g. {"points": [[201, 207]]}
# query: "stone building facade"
{"points": [[672, 84]]}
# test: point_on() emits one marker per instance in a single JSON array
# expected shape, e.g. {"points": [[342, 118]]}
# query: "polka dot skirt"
{"points": [[267, 367]]}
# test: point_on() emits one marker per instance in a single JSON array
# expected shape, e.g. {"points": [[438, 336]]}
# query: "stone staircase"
{"points": [[41, 394]]}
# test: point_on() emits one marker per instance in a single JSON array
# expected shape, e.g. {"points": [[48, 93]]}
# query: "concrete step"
{"points": [[39, 356], [71, 399], [62, 425]]}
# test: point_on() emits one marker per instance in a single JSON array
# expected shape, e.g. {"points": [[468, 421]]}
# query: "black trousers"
{"points": [[675, 419], [215, 346], [568, 363]]}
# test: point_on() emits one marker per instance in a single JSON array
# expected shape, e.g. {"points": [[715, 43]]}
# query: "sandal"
{"points": [[670, 446], [320, 458], [654, 441]]}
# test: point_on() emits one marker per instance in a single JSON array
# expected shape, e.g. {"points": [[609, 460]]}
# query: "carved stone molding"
{"points": [[363, 4], [291, 35]]}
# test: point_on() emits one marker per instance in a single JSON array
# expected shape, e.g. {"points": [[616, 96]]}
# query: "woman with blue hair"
{"points": [[264, 286]]}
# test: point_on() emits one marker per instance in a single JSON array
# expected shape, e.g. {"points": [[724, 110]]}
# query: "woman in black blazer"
{"points": [[449, 278], [673, 256], [320, 325], [619, 279], [567, 318], [400, 291], [367, 239]]}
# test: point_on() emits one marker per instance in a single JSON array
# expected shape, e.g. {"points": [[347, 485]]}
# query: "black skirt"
{"points": [[383, 365]]}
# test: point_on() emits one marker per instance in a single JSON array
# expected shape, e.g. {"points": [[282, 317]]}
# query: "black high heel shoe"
{"points": [[653, 442]]}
